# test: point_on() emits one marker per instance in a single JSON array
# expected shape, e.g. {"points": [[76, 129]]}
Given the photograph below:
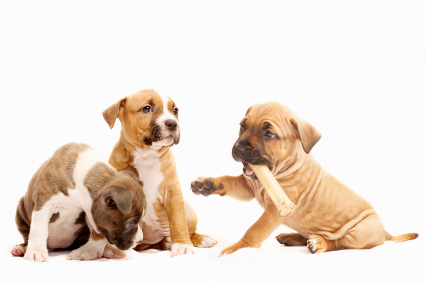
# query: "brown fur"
{"points": [[136, 133], [328, 215], [56, 176]]}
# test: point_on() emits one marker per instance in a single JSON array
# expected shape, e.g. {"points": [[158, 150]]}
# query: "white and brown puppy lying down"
{"points": [[149, 127], [73, 190], [328, 215]]}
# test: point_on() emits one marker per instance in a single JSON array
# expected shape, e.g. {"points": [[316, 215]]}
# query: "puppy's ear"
{"points": [[134, 174], [118, 198], [112, 113], [140, 195], [307, 133]]}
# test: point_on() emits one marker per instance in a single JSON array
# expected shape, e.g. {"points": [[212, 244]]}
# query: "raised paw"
{"points": [[316, 244], [36, 254], [19, 250], [206, 187], [111, 252], [181, 249]]}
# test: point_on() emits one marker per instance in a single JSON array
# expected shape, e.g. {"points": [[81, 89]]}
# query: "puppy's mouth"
{"points": [[162, 138], [248, 172], [166, 141]]}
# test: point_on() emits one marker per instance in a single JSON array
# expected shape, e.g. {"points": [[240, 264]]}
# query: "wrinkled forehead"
{"points": [[154, 98], [272, 112]]}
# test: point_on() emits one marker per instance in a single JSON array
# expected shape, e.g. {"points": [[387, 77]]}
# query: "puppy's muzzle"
{"points": [[243, 152], [170, 124]]}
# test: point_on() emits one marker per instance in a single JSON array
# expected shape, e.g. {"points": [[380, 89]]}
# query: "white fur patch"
{"points": [[166, 113], [181, 249], [37, 248], [85, 162], [207, 242], [148, 166], [91, 250], [62, 232], [160, 121]]}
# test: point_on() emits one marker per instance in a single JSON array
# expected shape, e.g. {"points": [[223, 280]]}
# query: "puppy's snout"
{"points": [[171, 124], [240, 150]]}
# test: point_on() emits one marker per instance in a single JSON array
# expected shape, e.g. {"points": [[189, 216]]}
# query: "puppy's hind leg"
{"points": [[291, 239], [367, 234], [23, 224]]}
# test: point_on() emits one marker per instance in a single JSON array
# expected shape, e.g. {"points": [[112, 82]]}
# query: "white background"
{"points": [[354, 69]]}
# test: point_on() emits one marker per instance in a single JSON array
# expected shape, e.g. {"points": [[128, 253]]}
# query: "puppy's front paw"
{"points": [[112, 252], [36, 253], [86, 252], [181, 249], [206, 187], [316, 244]]}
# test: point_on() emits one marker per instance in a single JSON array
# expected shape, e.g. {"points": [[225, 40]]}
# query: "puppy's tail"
{"points": [[401, 238]]}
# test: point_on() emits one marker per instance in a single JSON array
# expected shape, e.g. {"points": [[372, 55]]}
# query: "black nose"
{"points": [[171, 124], [243, 151], [240, 150]]}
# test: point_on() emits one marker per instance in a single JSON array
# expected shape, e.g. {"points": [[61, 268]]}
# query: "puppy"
{"points": [[73, 190], [149, 126], [328, 215]]}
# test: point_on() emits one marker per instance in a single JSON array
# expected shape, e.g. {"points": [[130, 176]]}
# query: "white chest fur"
{"points": [[148, 166]]}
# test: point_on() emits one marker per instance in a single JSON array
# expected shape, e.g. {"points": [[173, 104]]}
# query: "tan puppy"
{"points": [[149, 126], [328, 215], [75, 189]]}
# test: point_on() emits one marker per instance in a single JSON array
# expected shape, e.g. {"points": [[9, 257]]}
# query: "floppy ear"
{"points": [[134, 174], [112, 113], [307, 133], [118, 197]]}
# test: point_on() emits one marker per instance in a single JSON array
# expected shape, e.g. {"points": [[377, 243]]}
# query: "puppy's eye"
{"points": [[176, 111], [130, 224], [269, 134], [146, 109], [242, 126]]}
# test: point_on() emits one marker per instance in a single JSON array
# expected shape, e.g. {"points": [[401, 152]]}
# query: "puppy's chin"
{"points": [[164, 142]]}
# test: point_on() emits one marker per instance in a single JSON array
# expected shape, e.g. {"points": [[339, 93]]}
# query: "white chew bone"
{"points": [[274, 190]]}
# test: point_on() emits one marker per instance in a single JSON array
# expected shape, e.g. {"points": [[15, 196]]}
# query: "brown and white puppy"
{"points": [[328, 215], [74, 189], [149, 126]]}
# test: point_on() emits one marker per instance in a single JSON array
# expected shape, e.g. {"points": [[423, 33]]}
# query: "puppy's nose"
{"points": [[171, 124]]}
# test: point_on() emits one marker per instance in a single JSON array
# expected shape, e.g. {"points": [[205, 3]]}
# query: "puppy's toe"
{"points": [[112, 252], [205, 186], [36, 254], [181, 249], [19, 250], [316, 244], [197, 185]]}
